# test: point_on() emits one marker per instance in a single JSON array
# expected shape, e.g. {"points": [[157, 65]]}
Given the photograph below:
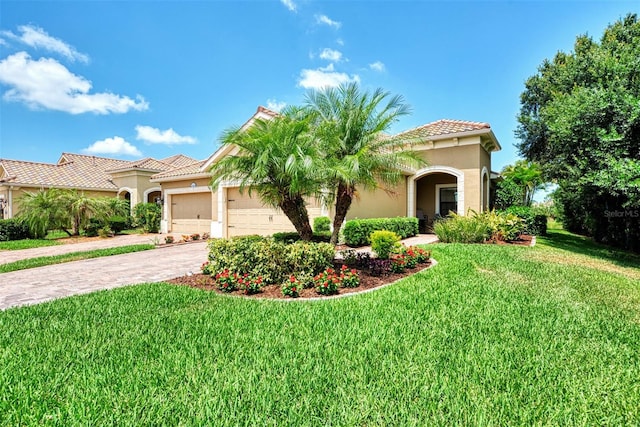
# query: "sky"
{"points": [[135, 79]]}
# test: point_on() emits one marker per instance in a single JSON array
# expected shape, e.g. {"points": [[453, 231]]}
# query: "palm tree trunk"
{"points": [[295, 209], [344, 197]]}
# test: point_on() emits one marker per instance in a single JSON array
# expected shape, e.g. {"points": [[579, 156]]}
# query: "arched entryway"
{"points": [[484, 189], [436, 190], [153, 195]]}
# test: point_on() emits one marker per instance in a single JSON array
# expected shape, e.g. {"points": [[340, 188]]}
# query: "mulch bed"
{"points": [[202, 281]]}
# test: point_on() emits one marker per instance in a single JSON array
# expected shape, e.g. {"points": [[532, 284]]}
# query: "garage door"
{"points": [[247, 215], [191, 213]]}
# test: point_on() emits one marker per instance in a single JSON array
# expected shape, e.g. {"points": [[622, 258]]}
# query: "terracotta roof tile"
{"points": [[179, 160], [192, 169], [442, 127]]}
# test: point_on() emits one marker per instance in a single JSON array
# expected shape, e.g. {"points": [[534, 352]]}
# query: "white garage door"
{"points": [[246, 215]]}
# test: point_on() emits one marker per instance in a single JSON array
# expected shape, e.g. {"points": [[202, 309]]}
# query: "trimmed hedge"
{"points": [[322, 224], [13, 229], [357, 232], [263, 257], [292, 237]]}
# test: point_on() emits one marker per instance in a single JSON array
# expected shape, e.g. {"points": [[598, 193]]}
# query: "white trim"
{"points": [[484, 192], [411, 187], [151, 190], [438, 188]]}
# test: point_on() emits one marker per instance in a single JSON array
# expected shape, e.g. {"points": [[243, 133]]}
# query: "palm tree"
{"points": [[81, 208], [356, 152], [44, 210], [277, 159], [528, 176]]}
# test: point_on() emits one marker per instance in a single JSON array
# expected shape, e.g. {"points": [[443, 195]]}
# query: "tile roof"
{"points": [[81, 171], [442, 127], [191, 169]]}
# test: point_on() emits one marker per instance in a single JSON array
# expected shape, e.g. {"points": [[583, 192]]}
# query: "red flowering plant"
{"points": [[422, 255], [349, 277], [327, 282], [249, 285], [291, 288], [226, 281], [410, 256], [398, 263]]}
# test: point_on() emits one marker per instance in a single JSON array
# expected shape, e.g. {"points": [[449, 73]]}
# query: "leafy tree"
{"points": [[277, 160], [508, 193], [580, 119], [148, 216], [356, 154], [81, 208]]}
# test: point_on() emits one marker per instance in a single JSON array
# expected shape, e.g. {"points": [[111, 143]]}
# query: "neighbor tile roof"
{"points": [[442, 127], [80, 171]]}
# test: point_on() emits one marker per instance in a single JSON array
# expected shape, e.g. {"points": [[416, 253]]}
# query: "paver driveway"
{"points": [[36, 285]]}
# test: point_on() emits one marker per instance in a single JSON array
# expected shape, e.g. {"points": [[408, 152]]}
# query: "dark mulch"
{"points": [[202, 281]]}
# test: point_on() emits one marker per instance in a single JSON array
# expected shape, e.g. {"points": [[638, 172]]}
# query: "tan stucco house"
{"points": [[457, 178], [95, 176]]}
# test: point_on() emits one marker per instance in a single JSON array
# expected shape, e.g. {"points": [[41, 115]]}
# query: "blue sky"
{"points": [[157, 78]]}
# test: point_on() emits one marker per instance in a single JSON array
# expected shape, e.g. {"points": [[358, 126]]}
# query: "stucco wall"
{"points": [[379, 203]]}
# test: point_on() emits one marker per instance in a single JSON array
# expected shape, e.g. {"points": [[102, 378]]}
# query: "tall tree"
{"points": [[527, 176], [580, 119], [356, 153], [277, 160]]}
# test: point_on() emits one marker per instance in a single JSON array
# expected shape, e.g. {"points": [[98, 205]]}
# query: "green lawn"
{"points": [[72, 256], [492, 335], [16, 245]]}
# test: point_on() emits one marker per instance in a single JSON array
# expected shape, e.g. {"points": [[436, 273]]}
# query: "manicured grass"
{"points": [[73, 256], [15, 245], [493, 335]]}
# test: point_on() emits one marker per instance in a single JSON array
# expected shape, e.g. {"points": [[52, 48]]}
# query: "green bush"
{"points": [[292, 237], [357, 232], [93, 227], [321, 224], [148, 216], [535, 221], [539, 225], [13, 229], [263, 257], [461, 229], [384, 242], [118, 223]]}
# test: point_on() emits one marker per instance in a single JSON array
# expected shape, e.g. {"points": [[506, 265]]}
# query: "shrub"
{"points": [[348, 277], [117, 223], [308, 257], [539, 225], [195, 236], [227, 281], [535, 220], [383, 243], [398, 263], [148, 216], [291, 287], [273, 261], [379, 267], [327, 282], [13, 229], [168, 239], [250, 286], [93, 227], [461, 229], [357, 232], [292, 237], [205, 267], [105, 232], [349, 257], [321, 224]]}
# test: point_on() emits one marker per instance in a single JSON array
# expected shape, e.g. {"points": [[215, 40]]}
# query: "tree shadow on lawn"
{"points": [[564, 240]]}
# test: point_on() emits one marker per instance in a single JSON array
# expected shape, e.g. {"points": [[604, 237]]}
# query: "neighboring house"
{"points": [[95, 176], [457, 178]]}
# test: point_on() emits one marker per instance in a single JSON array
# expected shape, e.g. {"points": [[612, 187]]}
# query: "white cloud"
{"points": [[377, 66], [156, 136], [47, 84], [324, 77], [3, 42], [325, 20], [289, 4], [116, 145], [331, 55], [340, 42], [276, 106], [38, 38]]}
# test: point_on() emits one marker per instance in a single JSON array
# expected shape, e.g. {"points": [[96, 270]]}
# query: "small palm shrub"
{"points": [[383, 243], [148, 216]]}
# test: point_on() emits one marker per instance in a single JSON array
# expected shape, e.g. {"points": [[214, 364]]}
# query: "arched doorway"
{"points": [[437, 190]]}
